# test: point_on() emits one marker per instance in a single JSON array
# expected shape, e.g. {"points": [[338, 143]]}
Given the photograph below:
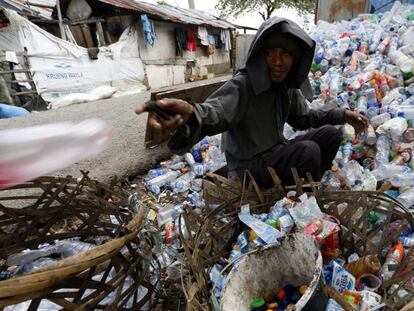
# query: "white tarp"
{"points": [[60, 67]]}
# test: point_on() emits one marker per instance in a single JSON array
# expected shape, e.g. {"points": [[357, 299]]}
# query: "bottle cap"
{"points": [[334, 168], [257, 303]]}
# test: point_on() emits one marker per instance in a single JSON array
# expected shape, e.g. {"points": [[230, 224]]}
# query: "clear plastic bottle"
{"points": [[183, 183], [362, 105], [162, 180], [169, 214], [336, 83], [392, 95], [407, 198], [402, 61], [347, 152], [156, 172], [376, 37], [340, 176], [380, 119], [400, 180]]}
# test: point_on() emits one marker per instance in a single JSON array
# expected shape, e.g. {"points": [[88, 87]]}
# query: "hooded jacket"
{"points": [[252, 110]]}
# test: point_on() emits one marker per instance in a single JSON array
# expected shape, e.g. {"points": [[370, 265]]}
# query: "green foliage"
{"points": [[264, 7], [162, 2]]}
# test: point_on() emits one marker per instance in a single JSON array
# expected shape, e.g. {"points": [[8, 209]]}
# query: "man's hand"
{"points": [[358, 121], [182, 110]]}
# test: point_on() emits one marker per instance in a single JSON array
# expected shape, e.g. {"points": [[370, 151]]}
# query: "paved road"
{"points": [[126, 156]]}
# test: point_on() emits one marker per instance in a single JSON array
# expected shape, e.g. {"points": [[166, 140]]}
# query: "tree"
{"points": [[264, 7]]}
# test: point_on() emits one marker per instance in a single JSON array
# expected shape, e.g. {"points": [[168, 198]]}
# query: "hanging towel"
{"points": [[181, 38], [226, 39], [191, 40], [202, 34], [148, 27]]}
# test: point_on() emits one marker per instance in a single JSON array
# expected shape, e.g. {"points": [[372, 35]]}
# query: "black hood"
{"points": [[255, 63]]}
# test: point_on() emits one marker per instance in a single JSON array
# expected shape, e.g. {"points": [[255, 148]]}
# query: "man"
{"points": [[255, 104]]}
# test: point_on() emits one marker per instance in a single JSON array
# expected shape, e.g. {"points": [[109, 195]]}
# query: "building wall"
{"points": [[165, 68]]}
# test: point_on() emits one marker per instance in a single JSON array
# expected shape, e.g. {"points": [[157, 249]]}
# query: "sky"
{"points": [[250, 19]]}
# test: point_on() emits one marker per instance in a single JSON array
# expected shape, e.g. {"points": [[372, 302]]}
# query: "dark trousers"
{"points": [[312, 152]]}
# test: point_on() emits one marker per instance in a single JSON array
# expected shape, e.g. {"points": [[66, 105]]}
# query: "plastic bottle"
{"points": [[392, 95], [384, 44], [371, 138], [407, 198], [380, 119], [372, 104], [402, 61], [156, 172], [367, 264], [69, 247], [399, 146], [343, 100], [188, 157], [394, 257], [336, 83], [362, 105], [388, 170], [163, 179], [169, 214], [347, 152], [376, 37], [407, 241], [402, 158], [340, 176], [324, 66], [369, 182], [183, 183], [319, 55]]}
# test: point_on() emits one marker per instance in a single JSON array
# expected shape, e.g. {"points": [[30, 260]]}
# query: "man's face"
{"points": [[279, 62]]}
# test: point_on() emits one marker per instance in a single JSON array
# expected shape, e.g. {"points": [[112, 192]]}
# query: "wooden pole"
{"points": [[62, 30], [5, 90]]}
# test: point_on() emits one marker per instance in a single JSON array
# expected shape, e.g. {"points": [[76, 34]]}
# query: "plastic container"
{"points": [[394, 257], [169, 214]]}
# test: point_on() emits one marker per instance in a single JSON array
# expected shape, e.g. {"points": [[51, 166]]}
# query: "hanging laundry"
{"points": [[191, 40], [148, 27], [212, 45], [202, 34], [181, 38], [219, 43], [226, 39]]}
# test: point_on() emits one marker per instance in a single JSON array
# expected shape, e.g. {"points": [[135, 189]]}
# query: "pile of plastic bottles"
{"points": [[367, 65], [181, 174], [357, 279]]}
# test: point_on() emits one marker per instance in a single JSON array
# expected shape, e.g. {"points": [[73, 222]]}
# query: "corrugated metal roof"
{"points": [[164, 12], [26, 8], [172, 14]]}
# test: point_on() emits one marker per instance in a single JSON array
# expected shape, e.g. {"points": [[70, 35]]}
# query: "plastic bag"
{"points": [[78, 10], [28, 153], [266, 232], [306, 211], [395, 127]]}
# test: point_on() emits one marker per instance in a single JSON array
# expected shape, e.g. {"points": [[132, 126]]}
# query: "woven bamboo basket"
{"points": [[214, 232], [112, 276]]}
